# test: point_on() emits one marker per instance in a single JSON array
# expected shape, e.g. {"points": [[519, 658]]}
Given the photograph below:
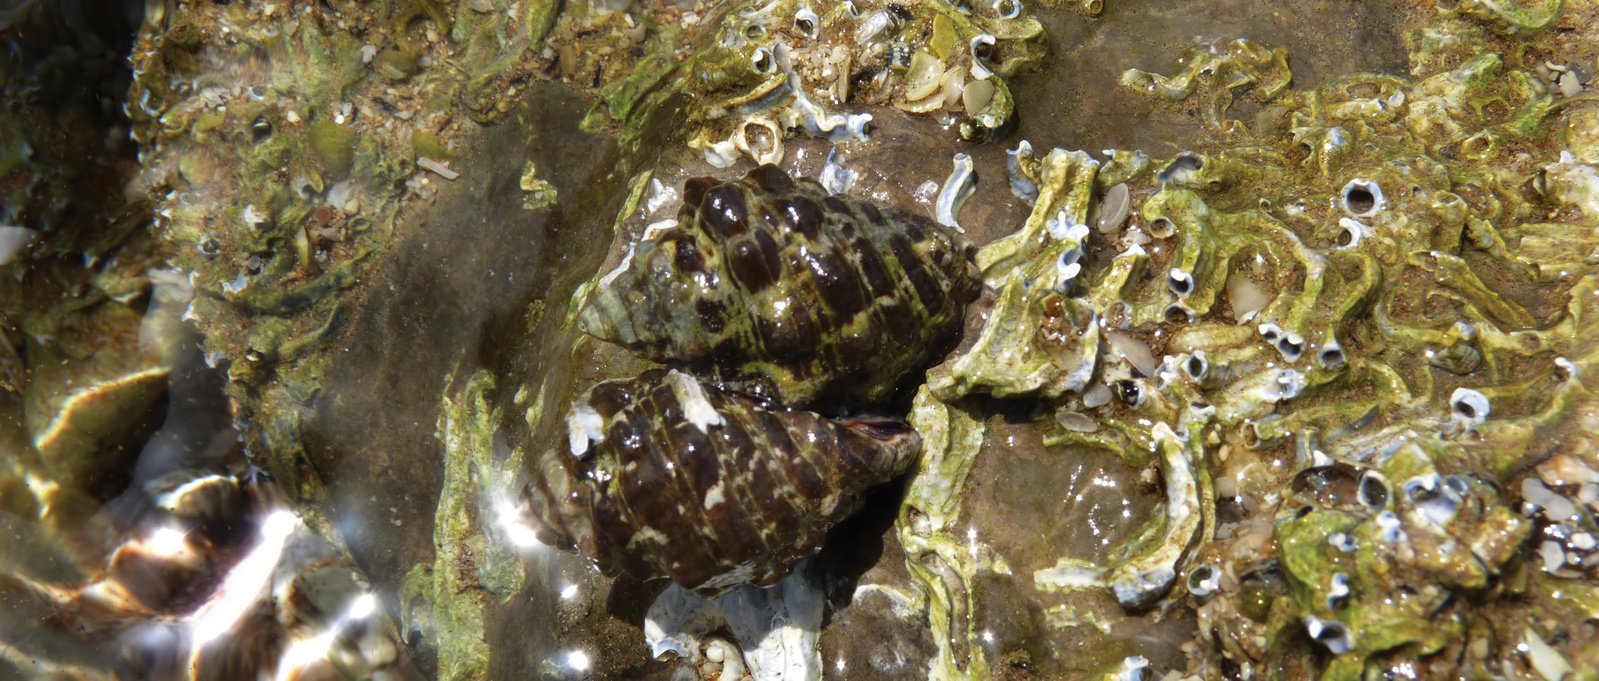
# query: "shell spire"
{"points": [[670, 477], [819, 298]]}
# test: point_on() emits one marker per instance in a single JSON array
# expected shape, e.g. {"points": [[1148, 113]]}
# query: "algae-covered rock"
{"points": [[1309, 399]]}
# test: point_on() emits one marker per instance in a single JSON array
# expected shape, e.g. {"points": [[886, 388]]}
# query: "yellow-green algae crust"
{"points": [[473, 570], [1476, 272], [1421, 242]]}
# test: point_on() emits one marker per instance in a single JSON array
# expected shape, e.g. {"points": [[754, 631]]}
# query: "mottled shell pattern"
{"points": [[822, 299], [669, 476]]}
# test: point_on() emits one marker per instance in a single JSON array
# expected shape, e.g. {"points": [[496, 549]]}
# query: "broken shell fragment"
{"points": [[976, 96], [957, 188], [1076, 421], [12, 242], [835, 177], [924, 77], [1113, 209], [1021, 183], [1136, 352], [1245, 296]]}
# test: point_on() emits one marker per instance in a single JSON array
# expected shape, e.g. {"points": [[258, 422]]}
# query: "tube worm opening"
{"points": [[763, 62], [1008, 9], [1161, 228], [1343, 542], [806, 22], [1181, 283], [1338, 595], [1070, 256], [1362, 198], [1291, 346], [1186, 163], [1129, 392], [1469, 404], [1373, 490], [1203, 581], [982, 51], [1350, 233], [1331, 355], [1251, 435], [1197, 366]]}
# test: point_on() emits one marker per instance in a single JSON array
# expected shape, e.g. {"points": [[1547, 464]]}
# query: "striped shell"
{"points": [[819, 298], [670, 477]]}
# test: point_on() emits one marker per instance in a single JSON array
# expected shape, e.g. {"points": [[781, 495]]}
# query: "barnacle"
{"points": [[767, 277], [670, 477]]}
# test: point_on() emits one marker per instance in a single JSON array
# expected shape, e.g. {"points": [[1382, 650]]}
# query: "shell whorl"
{"points": [[823, 298], [670, 477]]}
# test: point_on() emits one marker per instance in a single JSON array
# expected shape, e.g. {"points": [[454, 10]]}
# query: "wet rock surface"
{"points": [[1313, 403]]}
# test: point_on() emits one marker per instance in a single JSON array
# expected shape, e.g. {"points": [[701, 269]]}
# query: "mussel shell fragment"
{"points": [[822, 298], [669, 477]]}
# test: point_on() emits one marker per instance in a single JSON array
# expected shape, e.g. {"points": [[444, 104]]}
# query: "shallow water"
{"points": [[471, 280], [1076, 101]]}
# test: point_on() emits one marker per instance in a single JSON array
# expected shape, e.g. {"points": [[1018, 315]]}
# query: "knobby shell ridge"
{"points": [[671, 477], [826, 299]]}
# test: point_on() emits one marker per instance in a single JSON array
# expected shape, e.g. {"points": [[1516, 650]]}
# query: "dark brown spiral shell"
{"points": [[822, 298], [671, 477]]}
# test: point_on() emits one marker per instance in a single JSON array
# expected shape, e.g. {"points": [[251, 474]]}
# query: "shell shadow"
{"points": [[857, 544]]}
